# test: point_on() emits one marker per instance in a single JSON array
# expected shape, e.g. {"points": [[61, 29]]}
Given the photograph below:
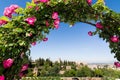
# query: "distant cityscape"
{"points": [[68, 70], [93, 65]]}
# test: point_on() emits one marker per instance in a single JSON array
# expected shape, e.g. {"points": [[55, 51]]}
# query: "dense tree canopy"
{"points": [[23, 27]]}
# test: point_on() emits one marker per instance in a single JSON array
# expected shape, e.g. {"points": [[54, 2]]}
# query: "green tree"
{"points": [[49, 62], [84, 71], [70, 73], [54, 71], [98, 72]]}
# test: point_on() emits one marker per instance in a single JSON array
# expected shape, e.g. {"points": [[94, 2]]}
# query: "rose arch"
{"points": [[20, 28]]}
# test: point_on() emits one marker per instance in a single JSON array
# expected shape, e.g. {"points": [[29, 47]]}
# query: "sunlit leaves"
{"points": [[4, 18]]}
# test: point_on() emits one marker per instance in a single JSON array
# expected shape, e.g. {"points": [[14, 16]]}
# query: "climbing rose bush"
{"points": [[33, 23]]}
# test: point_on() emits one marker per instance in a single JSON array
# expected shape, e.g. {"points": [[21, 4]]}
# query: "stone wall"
{"points": [[62, 78], [82, 78]]}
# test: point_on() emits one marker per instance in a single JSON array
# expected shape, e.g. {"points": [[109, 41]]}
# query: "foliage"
{"points": [[98, 72], [84, 72], [78, 71], [70, 73], [32, 23]]}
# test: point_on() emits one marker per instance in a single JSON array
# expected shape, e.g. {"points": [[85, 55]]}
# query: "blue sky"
{"points": [[73, 43]]}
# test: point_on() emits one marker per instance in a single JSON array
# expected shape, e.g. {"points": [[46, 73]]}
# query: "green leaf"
{"points": [[19, 30], [21, 43], [119, 29], [8, 25], [31, 30], [4, 18], [11, 44], [19, 10], [30, 4], [1, 69]]}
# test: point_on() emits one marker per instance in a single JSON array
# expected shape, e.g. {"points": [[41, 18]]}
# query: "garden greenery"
{"points": [[20, 28]]}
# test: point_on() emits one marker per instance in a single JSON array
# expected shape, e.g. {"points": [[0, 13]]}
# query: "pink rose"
{"points": [[13, 7], [30, 20], [90, 33], [24, 67], [45, 39], [33, 43], [44, 1], [56, 26], [8, 12], [2, 22], [117, 64], [7, 63], [54, 15], [99, 25], [89, 2], [114, 39], [56, 23], [47, 23], [2, 77]]}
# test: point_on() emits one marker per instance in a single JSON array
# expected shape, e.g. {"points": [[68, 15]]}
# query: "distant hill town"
{"points": [[47, 68]]}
